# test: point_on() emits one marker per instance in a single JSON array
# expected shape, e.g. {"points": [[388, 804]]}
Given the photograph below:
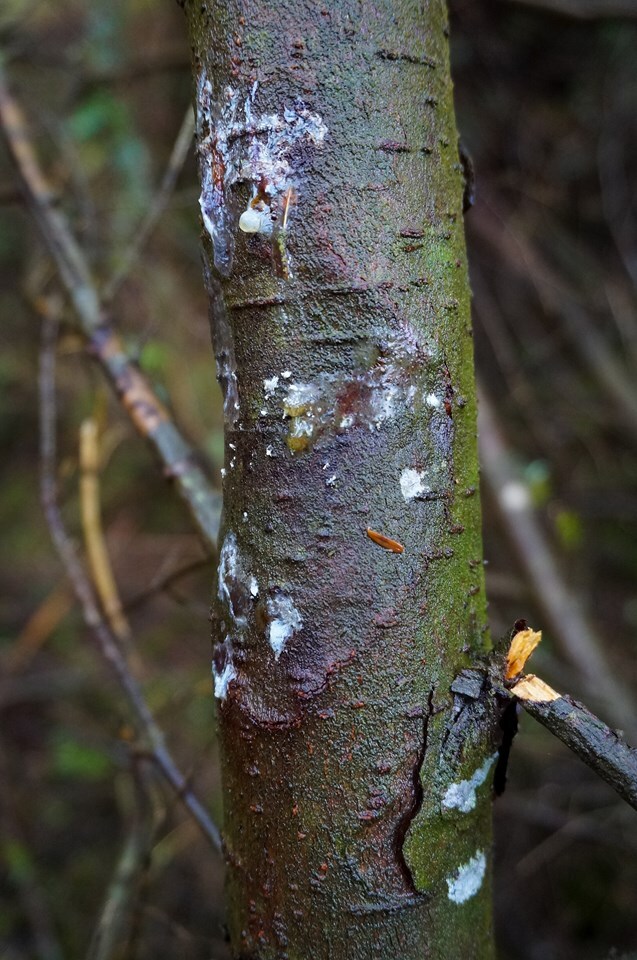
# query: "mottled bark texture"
{"points": [[356, 782]]}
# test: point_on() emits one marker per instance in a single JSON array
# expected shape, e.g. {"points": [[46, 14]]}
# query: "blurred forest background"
{"points": [[547, 108]]}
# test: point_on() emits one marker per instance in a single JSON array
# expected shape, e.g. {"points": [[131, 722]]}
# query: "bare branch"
{"points": [[601, 748], [153, 421], [135, 392], [106, 640], [120, 896]]}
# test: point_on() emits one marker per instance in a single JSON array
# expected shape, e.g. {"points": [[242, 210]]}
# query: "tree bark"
{"points": [[356, 781]]}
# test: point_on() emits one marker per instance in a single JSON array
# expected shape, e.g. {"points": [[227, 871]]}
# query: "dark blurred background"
{"points": [[546, 106]]}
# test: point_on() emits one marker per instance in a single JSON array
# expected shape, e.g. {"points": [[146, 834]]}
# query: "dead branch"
{"points": [[135, 392], [602, 749]]}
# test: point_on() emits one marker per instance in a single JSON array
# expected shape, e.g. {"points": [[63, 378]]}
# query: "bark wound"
{"points": [[237, 145], [335, 404], [417, 800], [454, 769]]}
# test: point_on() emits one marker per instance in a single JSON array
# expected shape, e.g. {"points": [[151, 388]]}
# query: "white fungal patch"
{"points": [[228, 574], [385, 402], [250, 149], [236, 590], [468, 879], [462, 795], [269, 386], [411, 483], [299, 397], [286, 374], [269, 451], [433, 401], [223, 679], [314, 408], [515, 496], [286, 621], [301, 428]]}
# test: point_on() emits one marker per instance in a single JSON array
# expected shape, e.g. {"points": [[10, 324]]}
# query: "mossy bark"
{"points": [[356, 781]]}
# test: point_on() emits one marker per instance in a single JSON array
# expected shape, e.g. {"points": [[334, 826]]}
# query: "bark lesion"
{"points": [[416, 801], [462, 732]]}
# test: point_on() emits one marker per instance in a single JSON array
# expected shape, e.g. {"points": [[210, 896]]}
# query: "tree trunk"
{"points": [[350, 594]]}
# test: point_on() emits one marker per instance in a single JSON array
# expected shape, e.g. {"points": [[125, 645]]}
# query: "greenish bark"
{"points": [[357, 783]]}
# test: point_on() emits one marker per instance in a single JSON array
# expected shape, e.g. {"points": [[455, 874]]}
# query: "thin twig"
{"points": [[120, 899], [157, 207], [135, 392], [96, 549], [153, 421], [39, 627], [104, 636], [53, 225], [165, 581]]}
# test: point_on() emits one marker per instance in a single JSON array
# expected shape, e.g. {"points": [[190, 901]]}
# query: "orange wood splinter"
{"points": [[385, 542]]}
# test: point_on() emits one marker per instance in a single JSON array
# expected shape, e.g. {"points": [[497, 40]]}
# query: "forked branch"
{"points": [[149, 416], [106, 640]]}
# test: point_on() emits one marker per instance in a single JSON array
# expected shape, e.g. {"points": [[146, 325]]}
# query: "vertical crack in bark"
{"points": [[417, 799]]}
